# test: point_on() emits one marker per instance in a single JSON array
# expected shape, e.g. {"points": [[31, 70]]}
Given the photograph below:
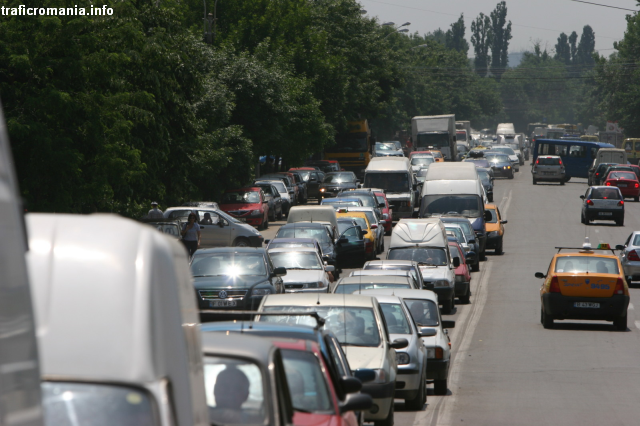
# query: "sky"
{"points": [[532, 20]]}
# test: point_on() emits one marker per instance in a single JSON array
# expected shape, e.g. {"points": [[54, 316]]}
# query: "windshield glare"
{"points": [[318, 234], [424, 256], [352, 325], [296, 260], [599, 265], [391, 182], [227, 264], [423, 312], [307, 384], [422, 161], [252, 197], [356, 288], [340, 178], [496, 158], [465, 205], [368, 200], [505, 149]]}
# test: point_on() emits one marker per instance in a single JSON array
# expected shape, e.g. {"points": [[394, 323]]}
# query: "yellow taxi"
{"points": [[494, 228], [584, 284], [437, 155], [369, 236]]}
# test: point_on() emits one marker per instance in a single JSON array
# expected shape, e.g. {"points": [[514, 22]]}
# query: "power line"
{"points": [[604, 5]]}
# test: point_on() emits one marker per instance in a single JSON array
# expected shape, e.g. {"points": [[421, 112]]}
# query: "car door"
{"points": [[214, 234], [313, 185], [354, 246]]}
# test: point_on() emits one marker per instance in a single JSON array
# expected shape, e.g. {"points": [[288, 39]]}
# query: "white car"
{"points": [[306, 272], [357, 323], [513, 157], [423, 307], [355, 284], [421, 161]]}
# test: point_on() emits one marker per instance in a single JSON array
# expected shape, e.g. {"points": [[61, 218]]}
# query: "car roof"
{"points": [[583, 253], [235, 345], [244, 188], [296, 330], [386, 272], [404, 293], [295, 249], [388, 299], [341, 200], [548, 156], [376, 279], [312, 299], [303, 225], [232, 250], [392, 262], [294, 240]]}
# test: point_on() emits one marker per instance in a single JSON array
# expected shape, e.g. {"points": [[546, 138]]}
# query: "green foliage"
{"points": [[499, 39], [454, 39], [481, 40]]}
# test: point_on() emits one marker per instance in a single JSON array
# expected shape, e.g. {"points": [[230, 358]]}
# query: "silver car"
{"points": [[306, 272], [602, 203], [630, 257], [548, 168]]}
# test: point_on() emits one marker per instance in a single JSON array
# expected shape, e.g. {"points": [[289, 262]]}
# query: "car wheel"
{"points": [[418, 401], [389, 420], [620, 323], [511, 175], [535, 182], [620, 222], [498, 249], [476, 267], [447, 307], [636, 199], [562, 182], [582, 219], [440, 387], [241, 242], [547, 320], [490, 197], [466, 299]]}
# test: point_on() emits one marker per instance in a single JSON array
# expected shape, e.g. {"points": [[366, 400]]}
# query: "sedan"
{"points": [[627, 182], [630, 257], [500, 164], [306, 273], [247, 205], [463, 273], [336, 182], [602, 203], [318, 232]]}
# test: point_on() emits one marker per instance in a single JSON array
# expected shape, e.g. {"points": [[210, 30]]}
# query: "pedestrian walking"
{"points": [[191, 234], [155, 212]]}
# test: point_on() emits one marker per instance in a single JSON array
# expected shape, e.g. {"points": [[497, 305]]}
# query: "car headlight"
{"points": [[381, 376], [256, 212], [402, 358], [435, 353], [322, 189], [441, 283], [261, 292]]}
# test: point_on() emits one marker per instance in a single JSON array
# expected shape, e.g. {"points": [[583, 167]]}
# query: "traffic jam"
{"points": [[320, 295]]}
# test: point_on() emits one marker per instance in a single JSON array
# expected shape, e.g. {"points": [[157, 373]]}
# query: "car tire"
{"points": [[620, 222], [620, 323], [279, 216], [636, 199], [418, 401], [389, 420], [562, 182], [476, 267], [447, 307], [490, 198], [466, 299], [511, 175], [535, 182], [583, 220], [547, 320], [241, 242], [440, 387], [498, 249]]}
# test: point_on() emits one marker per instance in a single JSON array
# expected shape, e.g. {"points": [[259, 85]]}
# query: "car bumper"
{"points": [[408, 380], [253, 221], [562, 307], [247, 304], [553, 177], [382, 395], [461, 288], [502, 172], [444, 293], [630, 192], [602, 214], [631, 269], [493, 241], [437, 369], [255, 241]]}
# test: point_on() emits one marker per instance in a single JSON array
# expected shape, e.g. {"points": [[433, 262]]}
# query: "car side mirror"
{"points": [[385, 216], [504, 221], [365, 375], [374, 226], [582, 197], [472, 241], [619, 247], [365, 232], [456, 262], [356, 402], [329, 268], [487, 215], [448, 324], [350, 384], [382, 205], [399, 344], [266, 242], [427, 332], [280, 271], [540, 275], [221, 223]]}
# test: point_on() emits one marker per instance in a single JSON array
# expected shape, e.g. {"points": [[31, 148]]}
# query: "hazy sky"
{"points": [[531, 20]]}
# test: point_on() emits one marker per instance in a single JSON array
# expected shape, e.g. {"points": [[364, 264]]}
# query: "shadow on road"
{"points": [[579, 326]]}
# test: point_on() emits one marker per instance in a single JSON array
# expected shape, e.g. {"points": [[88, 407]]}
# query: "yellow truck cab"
{"points": [[584, 284], [632, 148], [352, 149]]}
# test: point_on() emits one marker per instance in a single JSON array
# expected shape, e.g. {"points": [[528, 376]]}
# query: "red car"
{"points": [[626, 181], [463, 276], [388, 222], [247, 205], [314, 399]]}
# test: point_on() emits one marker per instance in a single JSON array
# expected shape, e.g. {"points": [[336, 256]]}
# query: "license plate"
{"points": [[241, 219], [222, 303], [586, 305], [605, 214], [622, 185], [548, 173]]}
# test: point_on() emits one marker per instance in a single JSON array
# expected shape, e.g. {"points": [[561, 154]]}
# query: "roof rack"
{"points": [[319, 320], [601, 247]]}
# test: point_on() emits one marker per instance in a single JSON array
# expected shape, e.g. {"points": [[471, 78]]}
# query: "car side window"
{"points": [[579, 151], [334, 347], [351, 232]]}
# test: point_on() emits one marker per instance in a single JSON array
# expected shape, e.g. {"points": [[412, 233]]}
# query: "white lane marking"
{"points": [[638, 324], [504, 205], [631, 306]]}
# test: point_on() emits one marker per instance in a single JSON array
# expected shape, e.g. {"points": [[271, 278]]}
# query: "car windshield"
{"points": [[279, 186], [465, 205], [591, 264], [266, 189], [423, 311], [494, 216], [485, 178], [497, 158], [391, 182], [307, 383], [227, 264], [385, 147], [478, 162], [296, 260], [504, 149], [457, 232], [343, 225], [546, 161], [422, 255], [340, 178], [249, 197], [622, 175], [368, 200], [361, 222], [168, 228], [354, 326], [422, 161], [455, 252], [318, 234], [605, 194], [73, 404], [390, 267], [234, 391], [395, 318], [280, 244], [381, 199], [337, 203], [356, 288], [305, 174]]}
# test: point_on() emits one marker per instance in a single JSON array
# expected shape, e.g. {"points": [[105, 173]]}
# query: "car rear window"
{"points": [[601, 265], [548, 161], [622, 175], [605, 194], [494, 216], [424, 312]]}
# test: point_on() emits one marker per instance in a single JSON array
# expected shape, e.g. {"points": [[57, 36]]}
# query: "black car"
{"points": [[335, 182], [234, 278], [486, 177], [500, 164], [351, 247], [602, 203], [595, 174], [318, 232]]}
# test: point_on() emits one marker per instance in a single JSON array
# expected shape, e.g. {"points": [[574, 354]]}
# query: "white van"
{"points": [[394, 175], [610, 155], [425, 241], [318, 214], [19, 370], [118, 326], [452, 189]]}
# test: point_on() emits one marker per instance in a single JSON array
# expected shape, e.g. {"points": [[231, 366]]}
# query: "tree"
{"points": [[480, 38], [586, 47], [438, 35], [573, 38], [500, 36], [454, 39], [563, 50]]}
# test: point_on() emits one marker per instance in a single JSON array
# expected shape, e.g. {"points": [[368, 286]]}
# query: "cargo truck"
{"points": [[464, 125], [435, 132], [352, 149]]}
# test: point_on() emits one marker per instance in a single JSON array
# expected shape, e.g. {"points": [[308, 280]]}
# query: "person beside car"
{"points": [[191, 234], [155, 212]]}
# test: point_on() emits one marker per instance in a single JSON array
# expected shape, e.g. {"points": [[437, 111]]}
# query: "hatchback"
{"points": [[602, 203], [548, 168], [627, 182], [248, 205]]}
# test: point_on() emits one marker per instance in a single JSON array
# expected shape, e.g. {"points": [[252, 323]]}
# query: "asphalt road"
{"points": [[506, 368]]}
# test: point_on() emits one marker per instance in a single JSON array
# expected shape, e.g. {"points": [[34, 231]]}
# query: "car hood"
{"points": [[226, 282], [398, 195], [303, 276], [240, 206], [364, 357], [499, 164], [434, 272]]}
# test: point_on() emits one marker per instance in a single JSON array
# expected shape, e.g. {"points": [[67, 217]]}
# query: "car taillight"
{"points": [[597, 174], [621, 203], [560, 161], [439, 353], [589, 202], [637, 185], [633, 255], [619, 287], [608, 183], [555, 285], [537, 161]]}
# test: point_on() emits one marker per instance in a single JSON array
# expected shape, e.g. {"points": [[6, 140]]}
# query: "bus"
{"points": [[352, 149], [577, 156]]}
